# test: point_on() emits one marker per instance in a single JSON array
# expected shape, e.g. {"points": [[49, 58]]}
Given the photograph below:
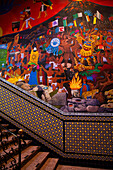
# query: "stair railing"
{"points": [[9, 152]]}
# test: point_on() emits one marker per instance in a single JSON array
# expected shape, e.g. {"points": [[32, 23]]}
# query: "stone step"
{"points": [[37, 161], [50, 164], [26, 155], [13, 149]]}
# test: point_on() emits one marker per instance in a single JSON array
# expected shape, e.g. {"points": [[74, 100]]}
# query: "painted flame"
{"points": [[76, 82]]}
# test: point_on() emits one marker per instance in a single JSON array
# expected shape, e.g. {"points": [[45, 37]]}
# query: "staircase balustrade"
{"points": [[8, 152]]}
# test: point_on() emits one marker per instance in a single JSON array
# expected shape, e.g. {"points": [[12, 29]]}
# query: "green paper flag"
{"points": [[65, 21], [78, 15]]}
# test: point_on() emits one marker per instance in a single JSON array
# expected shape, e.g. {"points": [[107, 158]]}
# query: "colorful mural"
{"points": [[24, 14], [67, 60], [3, 55]]}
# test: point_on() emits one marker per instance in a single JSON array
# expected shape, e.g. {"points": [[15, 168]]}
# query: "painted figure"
{"points": [[43, 8], [26, 18]]}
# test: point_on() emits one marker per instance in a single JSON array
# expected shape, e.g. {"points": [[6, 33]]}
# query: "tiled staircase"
{"points": [[33, 155]]}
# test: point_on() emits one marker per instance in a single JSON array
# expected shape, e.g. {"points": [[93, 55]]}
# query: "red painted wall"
{"points": [[19, 5]]}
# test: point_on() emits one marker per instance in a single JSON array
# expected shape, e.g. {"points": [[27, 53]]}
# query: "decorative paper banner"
{"points": [[75, 23], [75, 16], [78, 15], [88, 14], [99, 16], [65, 21], [94, 19], [61, 29], [87, 18], [53, 23]]}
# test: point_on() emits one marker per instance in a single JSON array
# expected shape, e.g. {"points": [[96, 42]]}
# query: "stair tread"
{"points": [[9, 130], [36, 161], [4, 124], [24, 154], [66, 167], [5, 131], [50, 164]]}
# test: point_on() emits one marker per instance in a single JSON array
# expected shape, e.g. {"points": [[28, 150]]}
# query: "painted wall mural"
{"points": [[65, 57], [19, 15]]}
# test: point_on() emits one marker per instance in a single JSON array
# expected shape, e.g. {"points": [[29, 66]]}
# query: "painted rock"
{"points": [[81, 108], [92, 109]]}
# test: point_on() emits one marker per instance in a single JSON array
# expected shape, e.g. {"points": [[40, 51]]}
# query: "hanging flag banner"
{"points": [[75, 23], [61, 29], [88, 14], [55, 23], [75, 16], [78, 15], [94, 19], [99, 16], [65, 21], [87, 18]]}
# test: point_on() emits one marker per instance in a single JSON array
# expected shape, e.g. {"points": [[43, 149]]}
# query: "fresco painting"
{"points": [[3, 55], [67, 60]]}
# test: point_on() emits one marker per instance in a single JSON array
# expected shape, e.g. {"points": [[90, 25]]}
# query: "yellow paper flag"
{"points": [[94, 20], [75, 23]]}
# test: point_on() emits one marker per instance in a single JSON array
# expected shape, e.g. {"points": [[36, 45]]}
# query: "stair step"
{"points": [[7, 131], [5, 125], [15, 149], [37, 161], [50, 164], [65, 167], [26, 155]]}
